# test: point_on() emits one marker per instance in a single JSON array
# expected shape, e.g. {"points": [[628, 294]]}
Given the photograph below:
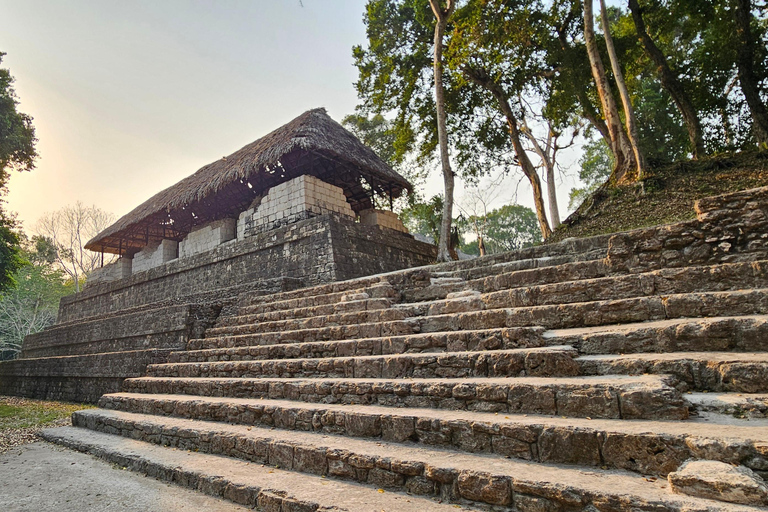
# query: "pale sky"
{"points": [[129, 97]]}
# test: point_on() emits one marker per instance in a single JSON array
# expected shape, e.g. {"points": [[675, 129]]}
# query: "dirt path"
{"points": [[41, 477]]}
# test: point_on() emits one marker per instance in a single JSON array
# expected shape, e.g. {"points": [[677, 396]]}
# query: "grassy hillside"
{"points": [[666, 196]]}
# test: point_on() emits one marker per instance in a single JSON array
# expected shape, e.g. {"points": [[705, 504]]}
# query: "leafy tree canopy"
{"points": [[17, 135], [17, 152], [508, 228], [33, 303]]}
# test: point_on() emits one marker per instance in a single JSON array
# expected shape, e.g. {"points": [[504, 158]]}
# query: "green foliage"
{"points": [[17, 152], [508, 228], [424, 217], [11, 259], [17, 135], [595, 168], [698, 38], [33, 303], [376, 133], [663, 138], [534, 52], [379, 134], [395, 73]]}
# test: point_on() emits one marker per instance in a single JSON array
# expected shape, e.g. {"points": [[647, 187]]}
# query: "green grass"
{"points": [[16, 413]]}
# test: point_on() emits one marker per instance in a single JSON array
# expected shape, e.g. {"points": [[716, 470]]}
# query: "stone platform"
{"points": [[111, 330], [575, 376]]}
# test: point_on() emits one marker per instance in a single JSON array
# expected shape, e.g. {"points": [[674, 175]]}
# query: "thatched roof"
{"points": [[313, 143]]}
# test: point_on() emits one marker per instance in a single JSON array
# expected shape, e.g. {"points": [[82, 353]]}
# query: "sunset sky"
{"points": [[129, 97]]}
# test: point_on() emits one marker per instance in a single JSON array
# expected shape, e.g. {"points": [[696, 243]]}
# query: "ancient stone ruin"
{"points": [[292, 209], [621, 372]]}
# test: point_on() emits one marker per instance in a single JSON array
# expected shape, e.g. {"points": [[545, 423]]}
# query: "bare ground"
{"points": [[667, 195]]}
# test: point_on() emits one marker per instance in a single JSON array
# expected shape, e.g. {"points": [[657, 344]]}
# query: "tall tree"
{"points": [[548, 147], [571, 77], [442, 15], [508, 228], [624, 160], [69, 229], [745, 64], [502, 57], [33, 303], [482, 78], [670, 81], [17, 152], [618, 75]]}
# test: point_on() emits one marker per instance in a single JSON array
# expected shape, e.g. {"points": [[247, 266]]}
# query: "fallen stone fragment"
{"points": [[719, 481]]}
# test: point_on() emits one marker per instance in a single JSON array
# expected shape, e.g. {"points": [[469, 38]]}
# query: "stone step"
{"points": [[242, 324], [655, 448], [331, 293], [505, 267], [619, 396], [561, 316], [457, 302], [534, 362], [711, 278], [454, 341], [683, 305], [695, 371], [513, 275], [332, 333], [351, 306], [254, 485], [503, 279], [454, 302], [81, 378], [572, 248], [447, 281], [736, 333], [737, 405], [348, 286], [688, 280], [477, 478]]}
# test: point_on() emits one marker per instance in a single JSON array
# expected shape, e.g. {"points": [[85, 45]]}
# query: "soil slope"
{"points": [[667, 195]]}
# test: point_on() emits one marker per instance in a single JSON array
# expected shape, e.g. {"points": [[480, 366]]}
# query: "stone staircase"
{"points": [[576, 376]]}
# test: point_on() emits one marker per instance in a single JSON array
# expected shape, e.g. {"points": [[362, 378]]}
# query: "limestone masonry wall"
{"points": [[119, 269], [302, 251], [292, 201], [207, 237], [154, 255], [383, 218], [161, 327], [81, 378], [727, 227], [149, 313]]}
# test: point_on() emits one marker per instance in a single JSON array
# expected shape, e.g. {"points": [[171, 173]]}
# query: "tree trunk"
{"points": [[526, 165], [587, 108], [547, 155], [554, 211], [670, 83], [745, 60], [629, 112], [620, 146], [441, 17]]}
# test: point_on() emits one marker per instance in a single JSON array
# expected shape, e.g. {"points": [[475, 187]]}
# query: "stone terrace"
{"points": [[621, 372]]}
